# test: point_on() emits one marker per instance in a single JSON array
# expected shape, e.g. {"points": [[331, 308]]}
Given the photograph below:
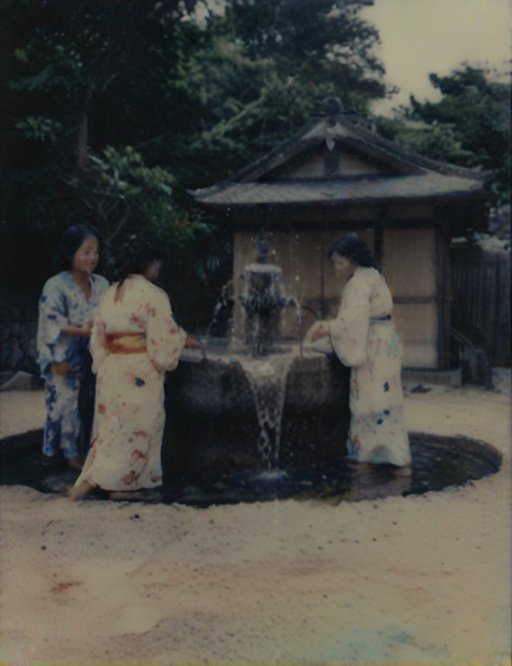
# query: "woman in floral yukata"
{"points": [[364, 338], [134, 341], [66, 309]]}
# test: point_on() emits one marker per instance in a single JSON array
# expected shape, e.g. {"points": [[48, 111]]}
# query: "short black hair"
{"points": [[354, 248], [135, 255], [72, 239]]}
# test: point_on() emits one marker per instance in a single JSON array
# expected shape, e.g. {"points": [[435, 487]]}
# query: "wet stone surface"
{"points": [[438, 463]]}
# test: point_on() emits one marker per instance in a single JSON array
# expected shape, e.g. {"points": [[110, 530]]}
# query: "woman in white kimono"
{"points": [[134, 341], [66, 309], [363, 337]]}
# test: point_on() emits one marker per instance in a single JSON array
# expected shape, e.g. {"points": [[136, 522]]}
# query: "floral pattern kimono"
{"points": [[363, 337], [134, 341], [62, 304]]}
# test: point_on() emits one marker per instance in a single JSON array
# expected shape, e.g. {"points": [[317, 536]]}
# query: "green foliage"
{"points": [[468, 126], [125, 195], [438, 141], [249, 130], [58, 66], [116, 109], [301, 33], [258, 73], [119, 187], [270, 63], [39, 128]]}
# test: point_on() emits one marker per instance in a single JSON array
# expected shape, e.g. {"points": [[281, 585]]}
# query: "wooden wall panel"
{"points": [[313, 168], [417, 326], [409, 262], [410, 267]]}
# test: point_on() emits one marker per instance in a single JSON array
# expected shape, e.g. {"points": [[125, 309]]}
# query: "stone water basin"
{"points": [[219, 385], [216, 407]]}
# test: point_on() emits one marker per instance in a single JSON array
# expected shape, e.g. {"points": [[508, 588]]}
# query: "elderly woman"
{"points": [[364, 338], [135, 340], [66, 309]]}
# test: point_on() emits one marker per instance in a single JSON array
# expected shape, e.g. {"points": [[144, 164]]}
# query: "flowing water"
{"points": [[267, 378]]}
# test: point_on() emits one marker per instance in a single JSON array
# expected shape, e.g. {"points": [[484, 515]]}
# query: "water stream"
{"points": [[267, 378]]}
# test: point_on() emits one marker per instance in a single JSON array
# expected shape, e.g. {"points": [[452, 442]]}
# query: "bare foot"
{"points": [[406, 470], [80, 490], [358, 467], [75, 463]]}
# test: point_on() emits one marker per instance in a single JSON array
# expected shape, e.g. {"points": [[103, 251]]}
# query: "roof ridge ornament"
{"points": [[331, 108]]}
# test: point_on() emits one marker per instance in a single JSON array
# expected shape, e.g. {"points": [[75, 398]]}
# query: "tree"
{"points": [[115, 109], [273, 60], [258, 73], [65, 60], [124, 194], [78, 48], [469, 125]]}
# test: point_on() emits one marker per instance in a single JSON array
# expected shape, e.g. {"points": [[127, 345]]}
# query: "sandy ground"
{"points": [[403, 581], [20, 411]]}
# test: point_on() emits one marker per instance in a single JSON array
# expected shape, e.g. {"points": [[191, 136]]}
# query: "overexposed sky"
{"points": [[423, 36]]}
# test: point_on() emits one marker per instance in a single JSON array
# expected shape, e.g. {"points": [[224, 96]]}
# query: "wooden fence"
{"points": [[481, 300]]}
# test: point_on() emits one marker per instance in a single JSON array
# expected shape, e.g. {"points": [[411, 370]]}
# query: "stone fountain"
{"points": [[258, 419], [256, 401], [263, 300]]}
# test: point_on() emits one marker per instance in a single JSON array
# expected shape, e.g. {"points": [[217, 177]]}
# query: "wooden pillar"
{"points": [[444, 295], [378, 242]]}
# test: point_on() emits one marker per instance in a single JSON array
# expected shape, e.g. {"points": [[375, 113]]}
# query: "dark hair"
{"points": [[354, 248], [72, 239], [135, 255]]}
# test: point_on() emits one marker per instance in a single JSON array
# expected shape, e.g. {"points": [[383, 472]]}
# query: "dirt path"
{"points": [[401, 582]]}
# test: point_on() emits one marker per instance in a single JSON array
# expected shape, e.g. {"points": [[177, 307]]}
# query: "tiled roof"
{"points": [[339, 191]]}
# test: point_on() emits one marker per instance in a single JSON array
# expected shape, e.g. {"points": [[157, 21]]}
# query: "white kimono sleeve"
{"points": [[164, 338], [349, 331]]}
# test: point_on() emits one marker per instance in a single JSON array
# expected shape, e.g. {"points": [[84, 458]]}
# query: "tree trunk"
{"points": [[82, 140]]}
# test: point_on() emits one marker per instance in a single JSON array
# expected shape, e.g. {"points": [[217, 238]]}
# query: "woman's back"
{"points": [[128, 307], [369, 284], [137, 306]]}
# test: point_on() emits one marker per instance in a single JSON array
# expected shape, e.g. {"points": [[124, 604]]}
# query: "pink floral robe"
{"points": [[129, 417], [363, 337]]}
